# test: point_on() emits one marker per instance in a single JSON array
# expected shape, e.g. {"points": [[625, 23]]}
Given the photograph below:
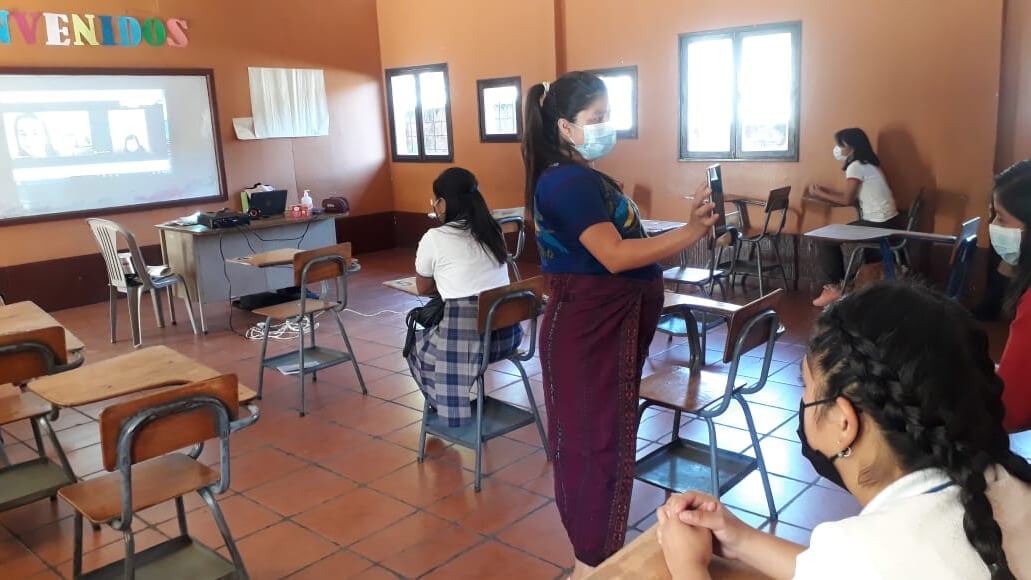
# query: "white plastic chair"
{"points": [[141, 278]]}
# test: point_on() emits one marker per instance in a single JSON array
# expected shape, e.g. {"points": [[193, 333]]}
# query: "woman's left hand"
{"points": [[687, 549]]}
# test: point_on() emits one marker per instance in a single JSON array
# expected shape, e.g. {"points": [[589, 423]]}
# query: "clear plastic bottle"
{"points": [[307, 202]]}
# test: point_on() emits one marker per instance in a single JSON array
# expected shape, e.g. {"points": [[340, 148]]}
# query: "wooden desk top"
{"points": [[23, 316], [259, 224], [656, 227], [643, 558], [147, 368], [280, 257], [406, 285], [673, 300], [851, 233]]}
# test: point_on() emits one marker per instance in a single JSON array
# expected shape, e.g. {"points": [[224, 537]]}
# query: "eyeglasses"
{"points": [[818, 403]]}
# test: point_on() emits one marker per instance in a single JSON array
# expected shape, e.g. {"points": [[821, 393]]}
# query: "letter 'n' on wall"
{"points": [[84, 29]]}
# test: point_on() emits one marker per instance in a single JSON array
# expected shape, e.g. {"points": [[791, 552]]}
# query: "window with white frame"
{"points": [[420, 113], [621, 85], [739, 93]]}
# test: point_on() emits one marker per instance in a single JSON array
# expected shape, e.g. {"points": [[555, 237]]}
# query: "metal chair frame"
{"points": [[900, 248], [513, 257], [778, 201]]}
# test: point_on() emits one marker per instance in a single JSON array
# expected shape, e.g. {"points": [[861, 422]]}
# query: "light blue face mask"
{"points": [[599, 139]]}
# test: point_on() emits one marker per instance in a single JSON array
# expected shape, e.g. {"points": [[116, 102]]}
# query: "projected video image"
{"points": [[71, 143], [48, 134]]}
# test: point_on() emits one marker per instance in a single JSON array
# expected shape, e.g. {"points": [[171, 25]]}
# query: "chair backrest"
{"points": [[110, 236], [778, 201], [31, 354], [742, 336], [507, 305], [514, 225], [913, 217], [328, 263], [166, 420], [962, 258]]}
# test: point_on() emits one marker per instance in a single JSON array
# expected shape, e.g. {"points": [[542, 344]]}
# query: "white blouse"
{"points": [[914, 529]]}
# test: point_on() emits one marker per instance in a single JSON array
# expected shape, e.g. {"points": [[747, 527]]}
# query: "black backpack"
{"points": [[425, 316]]}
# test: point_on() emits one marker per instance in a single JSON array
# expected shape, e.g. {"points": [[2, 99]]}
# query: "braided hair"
{"points": [[917, 364]]}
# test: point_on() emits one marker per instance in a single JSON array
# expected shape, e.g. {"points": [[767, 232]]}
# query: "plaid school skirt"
{"points": [[447, 357]]}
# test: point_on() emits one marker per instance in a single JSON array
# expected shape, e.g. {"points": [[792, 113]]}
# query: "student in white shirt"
{"points": [[903, 409], [865, 187], [466, 255]]}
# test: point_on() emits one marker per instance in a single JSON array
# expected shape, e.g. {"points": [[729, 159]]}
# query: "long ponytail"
{"points": [[545, 105], [467, 210]]}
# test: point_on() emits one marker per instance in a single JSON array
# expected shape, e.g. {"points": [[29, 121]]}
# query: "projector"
{"points": [[223, 219]]}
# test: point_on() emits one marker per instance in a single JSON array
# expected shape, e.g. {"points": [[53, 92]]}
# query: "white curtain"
{"points": [[288, 102]]}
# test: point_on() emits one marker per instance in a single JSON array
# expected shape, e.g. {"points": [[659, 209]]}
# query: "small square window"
{"points": [[501, 117]]}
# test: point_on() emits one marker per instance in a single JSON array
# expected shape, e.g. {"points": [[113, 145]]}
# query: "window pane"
{"points": [[710, 99], [433, 97], [621, 101], [499, 105], [765, 92], [403, 95]]}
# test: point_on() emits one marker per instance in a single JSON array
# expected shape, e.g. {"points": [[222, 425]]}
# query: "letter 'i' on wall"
{"points": [[55, 29]]}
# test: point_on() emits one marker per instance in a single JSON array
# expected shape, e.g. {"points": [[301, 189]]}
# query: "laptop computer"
{"points": [[269, 203]]}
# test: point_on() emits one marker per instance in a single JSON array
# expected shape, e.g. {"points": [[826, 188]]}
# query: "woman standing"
{"points": [[866, 186], [605, 299]]}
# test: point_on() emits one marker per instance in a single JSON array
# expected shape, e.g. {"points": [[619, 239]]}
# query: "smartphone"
{"points": [[716, 196]]}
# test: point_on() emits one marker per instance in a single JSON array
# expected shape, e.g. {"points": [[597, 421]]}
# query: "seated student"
{"points": [[1011, 201], [865, 184], [461, 258], [903, 409]]}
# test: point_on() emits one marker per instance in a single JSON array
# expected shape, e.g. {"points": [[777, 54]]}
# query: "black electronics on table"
{"points": [[224, 218], [264, 204]]}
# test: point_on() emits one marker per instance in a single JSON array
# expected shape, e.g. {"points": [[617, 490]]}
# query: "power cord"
{"points": [[286, 330]]}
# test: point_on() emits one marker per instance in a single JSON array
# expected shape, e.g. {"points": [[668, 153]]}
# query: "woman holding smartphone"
{"points": [[606, 295]]}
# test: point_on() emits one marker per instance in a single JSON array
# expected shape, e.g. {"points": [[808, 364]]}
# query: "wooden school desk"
{"points": [[642, 560], [851, 234], [24, 316], [199, 255], [140, 370]]}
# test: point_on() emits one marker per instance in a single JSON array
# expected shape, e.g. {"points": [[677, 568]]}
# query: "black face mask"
{"points": [[823, 465]]}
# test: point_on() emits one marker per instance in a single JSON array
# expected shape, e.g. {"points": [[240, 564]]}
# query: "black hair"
{"points": [[1012, 190], [563, 99], [917, 364], [862, 150], [467, 210], [51, 152]]}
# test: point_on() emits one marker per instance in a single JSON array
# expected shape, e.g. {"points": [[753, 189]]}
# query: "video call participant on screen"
{"points": [[133, 145], [31, 137]]}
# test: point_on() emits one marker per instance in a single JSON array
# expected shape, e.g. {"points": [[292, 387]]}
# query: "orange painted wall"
{"points": [[478, 39], [339, 37], [1014, 101], [897, 69]]}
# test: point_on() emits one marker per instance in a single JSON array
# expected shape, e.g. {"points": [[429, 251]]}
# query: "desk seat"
{"points": [[153, 482], [680, 388], [289, 310]]}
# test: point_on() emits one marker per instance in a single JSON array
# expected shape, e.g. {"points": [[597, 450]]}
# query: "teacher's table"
{"points": [[642, 559], [851, 234], [199, 255]]}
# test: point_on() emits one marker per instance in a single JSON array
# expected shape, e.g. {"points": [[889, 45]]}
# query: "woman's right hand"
{"points": [[703, 216], [705, 511]]}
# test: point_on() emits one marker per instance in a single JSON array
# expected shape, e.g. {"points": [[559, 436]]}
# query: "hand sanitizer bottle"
{"points": [[307, 202]]}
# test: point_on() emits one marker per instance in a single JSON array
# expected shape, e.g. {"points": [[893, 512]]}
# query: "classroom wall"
{"points": [[339, 37], [897, 69], [1014, 141], [478, 40]]}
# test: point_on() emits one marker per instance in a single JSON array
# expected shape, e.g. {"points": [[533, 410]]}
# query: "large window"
{"points": [[420, 113], [622, 88], [739, 93], [500, 117]]}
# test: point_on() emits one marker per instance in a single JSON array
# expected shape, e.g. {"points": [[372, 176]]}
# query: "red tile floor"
{"points": [[339, 494]]}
